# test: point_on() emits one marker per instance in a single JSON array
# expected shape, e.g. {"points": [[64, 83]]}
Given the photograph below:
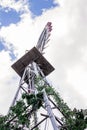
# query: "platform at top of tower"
{"points": [[32, 56]]}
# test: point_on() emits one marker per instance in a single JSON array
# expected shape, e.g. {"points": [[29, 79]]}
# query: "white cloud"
{"points": [[78, 77], [67, 48], [7, 80], [19, 5]]}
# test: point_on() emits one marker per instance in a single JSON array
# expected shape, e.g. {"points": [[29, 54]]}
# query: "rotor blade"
{"points": [[44, 37]]}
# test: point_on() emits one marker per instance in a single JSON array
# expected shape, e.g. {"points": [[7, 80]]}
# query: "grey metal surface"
{"points": [[49, 110]]}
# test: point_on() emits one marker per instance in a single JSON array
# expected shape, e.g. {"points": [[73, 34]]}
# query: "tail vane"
{"points": [[44, 37]]}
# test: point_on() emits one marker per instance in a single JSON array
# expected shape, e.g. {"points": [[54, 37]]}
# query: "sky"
{"points": [[21, 23]]}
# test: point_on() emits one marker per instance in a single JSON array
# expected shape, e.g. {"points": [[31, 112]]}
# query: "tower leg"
{"points": [[51, 115]]}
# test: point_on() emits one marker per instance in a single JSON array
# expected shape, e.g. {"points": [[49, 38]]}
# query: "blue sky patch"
{"points": [[37, 6], [8, 16], [1, 46], [11, 51]]}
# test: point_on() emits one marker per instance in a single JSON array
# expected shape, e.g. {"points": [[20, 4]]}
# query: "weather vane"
{"points": [[44, 37]]}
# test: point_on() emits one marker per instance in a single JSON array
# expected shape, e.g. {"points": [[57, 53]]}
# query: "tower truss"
{"points": [[30, 67]]}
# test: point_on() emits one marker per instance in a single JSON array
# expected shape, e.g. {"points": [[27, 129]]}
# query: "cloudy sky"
{"points": [[21, 22]]}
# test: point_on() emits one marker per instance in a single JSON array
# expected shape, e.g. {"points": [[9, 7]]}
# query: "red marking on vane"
{"points": [[49, 23], [49, 26]]}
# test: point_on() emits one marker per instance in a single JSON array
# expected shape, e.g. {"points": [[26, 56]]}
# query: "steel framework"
{"points": [[33, 64]]}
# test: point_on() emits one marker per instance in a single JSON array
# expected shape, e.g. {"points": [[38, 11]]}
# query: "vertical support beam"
{"points": [[29, 77], [31, 73], [51, 115], [36, 73], [17, 92], [16, 95], [35, 66]]}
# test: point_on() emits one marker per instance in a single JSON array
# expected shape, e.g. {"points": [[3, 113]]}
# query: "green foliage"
{"points": [[2, 123], [72, 120], [35, 100], [19, 108], [19, 114]]}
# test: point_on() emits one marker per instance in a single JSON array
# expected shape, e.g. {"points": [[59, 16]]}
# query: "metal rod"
{"points": [[16, 95], [39, 123], [30, 112], [24, 89], [49, 110], [57, 107], [55, 118]]}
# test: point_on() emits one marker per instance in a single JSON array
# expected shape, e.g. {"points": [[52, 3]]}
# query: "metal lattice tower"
{"points": [[33, 64]]}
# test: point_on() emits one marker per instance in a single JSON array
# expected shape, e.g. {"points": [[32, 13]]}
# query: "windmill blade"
{"points": [[44, 37]]}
